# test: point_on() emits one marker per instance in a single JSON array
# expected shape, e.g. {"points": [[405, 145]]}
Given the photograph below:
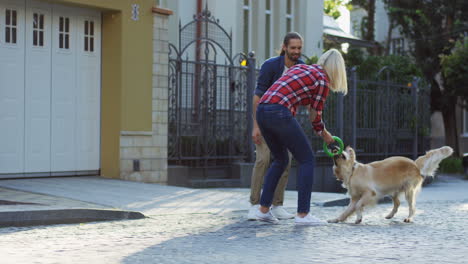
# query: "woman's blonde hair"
{"points": [[333, 64]]}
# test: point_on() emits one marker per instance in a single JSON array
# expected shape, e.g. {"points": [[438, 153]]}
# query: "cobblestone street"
{"points": [[438, 235]]}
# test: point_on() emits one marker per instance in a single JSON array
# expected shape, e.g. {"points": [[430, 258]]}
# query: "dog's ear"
{"points": [[352, 154]]}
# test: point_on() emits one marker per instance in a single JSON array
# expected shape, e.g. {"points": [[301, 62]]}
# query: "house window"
{"points": [[89, 36], [246, 34], [64, 33], [289, 15], [11, 26], [268, 29], [38, 30]]}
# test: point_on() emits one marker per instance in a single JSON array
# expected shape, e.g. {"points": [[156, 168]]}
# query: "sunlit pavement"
{"points": [[439, 234]]}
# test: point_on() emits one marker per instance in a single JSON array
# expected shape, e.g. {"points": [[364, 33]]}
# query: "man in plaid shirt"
{"points": [[306, 85]]}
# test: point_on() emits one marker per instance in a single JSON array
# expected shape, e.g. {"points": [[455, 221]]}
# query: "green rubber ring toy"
{"points": [[327, 151]]}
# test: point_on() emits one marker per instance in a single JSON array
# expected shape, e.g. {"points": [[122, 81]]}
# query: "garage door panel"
{"points": [[38, 87], [63, 92], [11, 87], [88, 83]]}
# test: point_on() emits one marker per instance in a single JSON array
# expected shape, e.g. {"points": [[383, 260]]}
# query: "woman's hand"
{"points": [[256, 135], [327, 137]]}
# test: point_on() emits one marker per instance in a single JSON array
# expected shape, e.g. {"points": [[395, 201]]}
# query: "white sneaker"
{"points": [[280, 213], [253, 209], [309, 220], [268, 217]]}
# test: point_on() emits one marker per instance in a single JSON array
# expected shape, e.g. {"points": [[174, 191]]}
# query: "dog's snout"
{"points": [[341, 156]]}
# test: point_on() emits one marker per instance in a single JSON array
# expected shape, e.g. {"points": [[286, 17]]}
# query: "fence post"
{"points": [[414, 93], [354, 107], [339, 115], [251, 78]]}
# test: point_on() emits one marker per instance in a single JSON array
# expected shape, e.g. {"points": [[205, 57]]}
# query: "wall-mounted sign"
{"points": [[135, 12]]}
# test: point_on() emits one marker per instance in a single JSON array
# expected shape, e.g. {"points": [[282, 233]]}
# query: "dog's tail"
{"points": [[429, 163]]}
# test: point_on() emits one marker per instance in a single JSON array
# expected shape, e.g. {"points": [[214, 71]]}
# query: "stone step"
{"points": [[215, 183]]}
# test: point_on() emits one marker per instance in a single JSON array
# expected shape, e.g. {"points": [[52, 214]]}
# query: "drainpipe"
{"points": [[196, 86]]}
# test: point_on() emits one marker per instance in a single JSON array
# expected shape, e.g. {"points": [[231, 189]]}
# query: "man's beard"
{"points": [[291, 56]]}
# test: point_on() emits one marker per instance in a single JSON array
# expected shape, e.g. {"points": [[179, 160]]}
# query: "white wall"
{"points": [[310, 25], [356, 16]]}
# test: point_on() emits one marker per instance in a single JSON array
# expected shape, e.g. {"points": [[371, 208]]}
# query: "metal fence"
{"points": [[208, 97], [210, 105]]}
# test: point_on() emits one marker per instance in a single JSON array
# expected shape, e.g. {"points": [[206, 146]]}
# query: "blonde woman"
{"points": [[306, 85]]}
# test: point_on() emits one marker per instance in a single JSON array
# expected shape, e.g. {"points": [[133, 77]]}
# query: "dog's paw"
{"points": [[358, 221], [333, 220], [408, 220]]}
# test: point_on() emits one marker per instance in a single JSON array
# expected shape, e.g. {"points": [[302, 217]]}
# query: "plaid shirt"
{"points": [[301, 85]]}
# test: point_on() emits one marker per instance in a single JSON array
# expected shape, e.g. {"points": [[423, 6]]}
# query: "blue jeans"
{"points": [[282, 132]]}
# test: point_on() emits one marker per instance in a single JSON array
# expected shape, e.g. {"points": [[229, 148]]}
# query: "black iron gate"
{"points": [[208, 96]]}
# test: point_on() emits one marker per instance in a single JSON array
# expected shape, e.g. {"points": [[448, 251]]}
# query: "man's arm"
{"points": [[265, 78], [256, 134], [264, 82]]}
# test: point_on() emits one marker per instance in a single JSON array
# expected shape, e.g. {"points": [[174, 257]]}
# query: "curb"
{"points": [[345, 202], [64, 216]]}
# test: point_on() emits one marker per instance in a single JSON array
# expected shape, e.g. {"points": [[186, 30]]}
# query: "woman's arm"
{"points": [[318, 126]]}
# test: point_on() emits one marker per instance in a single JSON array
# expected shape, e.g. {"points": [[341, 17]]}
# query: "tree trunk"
{"points": [[450, 124], [371, 26]]}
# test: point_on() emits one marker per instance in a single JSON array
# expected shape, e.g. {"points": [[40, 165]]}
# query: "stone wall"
{"points": [[143, 155]]}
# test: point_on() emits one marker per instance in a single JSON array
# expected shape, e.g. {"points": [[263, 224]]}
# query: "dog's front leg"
{"points": [[366, 198], [347, 212]]}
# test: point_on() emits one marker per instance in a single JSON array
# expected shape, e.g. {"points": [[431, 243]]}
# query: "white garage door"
{"points": [[50, 75]]}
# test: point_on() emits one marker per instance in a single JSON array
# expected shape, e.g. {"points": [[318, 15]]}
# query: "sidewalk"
{"points": [[81, 199]]}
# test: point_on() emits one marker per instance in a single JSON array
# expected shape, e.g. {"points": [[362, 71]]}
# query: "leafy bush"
{"points": [[455, 69], [451, 165], [402, 68], [311, 60]]}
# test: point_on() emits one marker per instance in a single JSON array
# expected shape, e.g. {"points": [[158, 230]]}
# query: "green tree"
{"points": [[331, 7], [455, 71], [431, 26]]}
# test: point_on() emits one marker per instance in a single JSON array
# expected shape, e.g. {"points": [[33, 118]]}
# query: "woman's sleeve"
{"points": [[317, 103]]}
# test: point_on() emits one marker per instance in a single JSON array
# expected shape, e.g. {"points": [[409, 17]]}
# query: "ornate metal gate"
{"points": [[208, 96]]}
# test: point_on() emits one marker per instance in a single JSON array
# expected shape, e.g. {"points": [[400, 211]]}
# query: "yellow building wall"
{"points": [[127, 58]]}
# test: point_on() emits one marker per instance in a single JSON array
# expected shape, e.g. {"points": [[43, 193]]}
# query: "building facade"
{"points": [[255, 25], [79, 92]]}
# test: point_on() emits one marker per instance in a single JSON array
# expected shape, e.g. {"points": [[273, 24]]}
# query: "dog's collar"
{"points": [[354, 167], [347, 180]]}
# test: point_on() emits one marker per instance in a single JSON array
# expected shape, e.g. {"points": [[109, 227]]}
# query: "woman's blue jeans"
{"points": [[282, 132]]}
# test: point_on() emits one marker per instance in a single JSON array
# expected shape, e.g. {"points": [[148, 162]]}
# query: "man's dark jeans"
{"points": [[282, 132]]}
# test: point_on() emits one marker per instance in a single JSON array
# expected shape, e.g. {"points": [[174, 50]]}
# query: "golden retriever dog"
{"points": [[367, 183]]}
